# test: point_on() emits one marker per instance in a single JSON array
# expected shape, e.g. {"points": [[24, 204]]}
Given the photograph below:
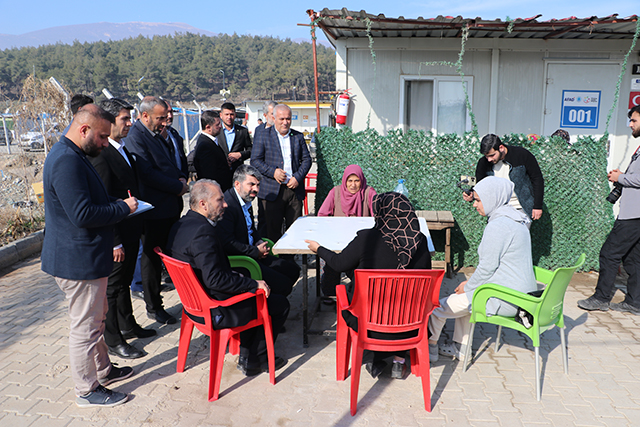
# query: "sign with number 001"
{"points": [[580, 109]]}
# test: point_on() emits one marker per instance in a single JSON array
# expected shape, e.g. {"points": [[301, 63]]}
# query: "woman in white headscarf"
{"points": [[504, 258]]}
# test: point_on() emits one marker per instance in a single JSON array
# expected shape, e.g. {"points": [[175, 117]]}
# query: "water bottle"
{"points": [[401, 188]]}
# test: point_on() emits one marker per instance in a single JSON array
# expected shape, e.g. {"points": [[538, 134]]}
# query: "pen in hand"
{"points": [[129, 192]]}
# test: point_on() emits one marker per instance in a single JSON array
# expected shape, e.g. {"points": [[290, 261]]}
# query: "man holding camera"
{"points": [[623, 243], [519, 166]]}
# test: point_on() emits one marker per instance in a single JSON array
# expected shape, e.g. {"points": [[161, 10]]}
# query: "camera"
{"points": [[615, 193], [466, 184]]}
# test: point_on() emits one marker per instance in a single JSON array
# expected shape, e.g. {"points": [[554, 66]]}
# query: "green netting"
{"points": [[576, 217]]}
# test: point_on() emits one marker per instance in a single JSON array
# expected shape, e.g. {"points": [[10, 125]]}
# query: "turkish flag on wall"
{"points": [[634, 99]]}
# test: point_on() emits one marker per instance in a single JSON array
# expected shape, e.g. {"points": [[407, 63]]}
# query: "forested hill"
{"points": [[180, 67]]}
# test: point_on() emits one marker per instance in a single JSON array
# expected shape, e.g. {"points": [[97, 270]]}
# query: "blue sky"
{"points": [[280, 18]]}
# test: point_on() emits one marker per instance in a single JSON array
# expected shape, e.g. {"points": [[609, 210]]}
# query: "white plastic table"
{"points": [[333, 233]]}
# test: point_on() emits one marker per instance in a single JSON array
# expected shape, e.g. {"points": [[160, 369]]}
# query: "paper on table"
{"points": [[142, 207]]}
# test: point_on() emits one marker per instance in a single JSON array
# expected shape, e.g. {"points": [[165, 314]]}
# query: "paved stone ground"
{"points": [[602, 388]]}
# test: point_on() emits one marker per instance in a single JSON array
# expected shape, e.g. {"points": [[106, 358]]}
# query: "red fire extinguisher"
{"points": [[343, 108]]}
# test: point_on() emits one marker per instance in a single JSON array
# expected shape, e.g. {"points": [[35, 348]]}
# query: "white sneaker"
{"points": [[452, 349]]}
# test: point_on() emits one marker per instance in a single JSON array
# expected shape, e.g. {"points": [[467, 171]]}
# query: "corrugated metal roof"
{"points": [[344, 23]]}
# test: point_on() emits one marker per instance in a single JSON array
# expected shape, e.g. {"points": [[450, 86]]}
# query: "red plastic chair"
{"points": [[308, 189], [196, 306], [389, 301]]}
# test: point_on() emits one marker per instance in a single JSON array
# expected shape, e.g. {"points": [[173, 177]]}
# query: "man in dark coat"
{"points": [[119, 171], [210, 160], [164, 188], [77, 250], [194, 239], [234, 139], [240, 237]]}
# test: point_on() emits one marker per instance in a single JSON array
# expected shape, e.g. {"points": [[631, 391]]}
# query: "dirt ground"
{"points": [[20, 212]]}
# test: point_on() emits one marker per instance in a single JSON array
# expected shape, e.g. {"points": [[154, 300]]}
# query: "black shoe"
{"points": [[139, 332], [162, 317], [116, 374], [375, 368], [166, 287], [252, 370], [125, 351], [398, 370], [138, 294], [624, 307], [593, 304]]}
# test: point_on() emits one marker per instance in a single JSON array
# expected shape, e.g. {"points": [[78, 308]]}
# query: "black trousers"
{"points": [[156, 233], [622, 244], [280, 274], [253, 345], [120, 311], [286, 207]]}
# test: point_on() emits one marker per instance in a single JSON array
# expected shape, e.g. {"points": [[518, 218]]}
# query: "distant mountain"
{"points": [[104, 31]]}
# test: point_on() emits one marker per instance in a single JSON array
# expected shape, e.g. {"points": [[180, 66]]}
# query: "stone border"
{"points": [[21, 249]]}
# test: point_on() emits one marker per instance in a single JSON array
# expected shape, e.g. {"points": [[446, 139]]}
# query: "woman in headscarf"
{"points": [[394, 242], [504, 258], [352, 198]]}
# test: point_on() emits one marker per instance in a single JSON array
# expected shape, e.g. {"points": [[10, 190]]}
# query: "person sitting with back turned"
{"points": [[394, 242], [194, 239], [504, 259], [240, 237], [352, 198]]}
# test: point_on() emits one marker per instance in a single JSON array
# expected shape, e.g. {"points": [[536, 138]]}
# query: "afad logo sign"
{"points": [[587, 99]]}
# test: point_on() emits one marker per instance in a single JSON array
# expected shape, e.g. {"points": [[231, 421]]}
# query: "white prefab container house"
{"points": [[522, 76]]}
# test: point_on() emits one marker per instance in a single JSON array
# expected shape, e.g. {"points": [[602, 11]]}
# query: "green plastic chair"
{"points": [[270, 246], [243, 261], [547, 311]]}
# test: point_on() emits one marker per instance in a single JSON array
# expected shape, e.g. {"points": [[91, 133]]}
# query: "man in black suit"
{"points": [[240, 237], [234, 139], [164, 186], [172, 136], [267, 113], [194, 239], [210, 160], [119, 172]]}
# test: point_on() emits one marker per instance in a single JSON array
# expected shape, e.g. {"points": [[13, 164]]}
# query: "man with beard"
{"points": [[77, 250], [171, 135], [163, 188], [194, 239], [234, 139], [267, 113], [623, 243], [210, 160], [519, 166], [119, 171], [240, 237]]}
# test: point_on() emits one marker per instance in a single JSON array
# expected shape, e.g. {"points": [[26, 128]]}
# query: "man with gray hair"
{"points": [[164, 188], [267, 113], [282, 157], [240, 237], [195, 239]]}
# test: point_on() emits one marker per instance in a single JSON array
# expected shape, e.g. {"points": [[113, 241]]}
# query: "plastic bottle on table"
{"points": [[401, 188]]}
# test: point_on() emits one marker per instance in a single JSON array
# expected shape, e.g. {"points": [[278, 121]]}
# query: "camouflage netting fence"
{"points": [[576, 217]]}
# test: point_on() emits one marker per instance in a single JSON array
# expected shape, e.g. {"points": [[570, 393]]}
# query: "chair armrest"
{"points": [[237, 298], [269, 245], [491, 290], [542, 275], [243, 261], [341, 297]]}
